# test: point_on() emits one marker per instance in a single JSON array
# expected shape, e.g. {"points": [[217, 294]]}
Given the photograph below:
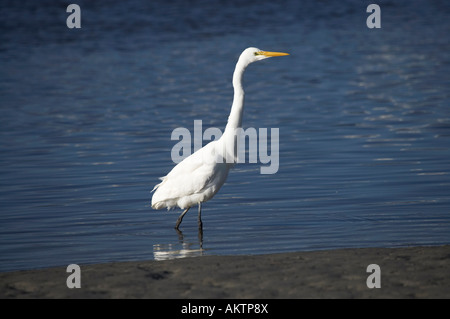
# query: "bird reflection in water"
{"points": [[182, 249]]}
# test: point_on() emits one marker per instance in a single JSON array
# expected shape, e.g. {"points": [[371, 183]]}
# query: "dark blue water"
{"points": [[86, 117]]}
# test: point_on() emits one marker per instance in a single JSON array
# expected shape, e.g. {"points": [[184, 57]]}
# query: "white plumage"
{"points": [[198, 177], [192, 181]]}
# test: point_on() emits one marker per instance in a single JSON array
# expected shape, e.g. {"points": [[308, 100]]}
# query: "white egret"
{"points": [[198, 177]]}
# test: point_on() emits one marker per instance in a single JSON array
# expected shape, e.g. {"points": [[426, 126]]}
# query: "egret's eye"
{"points": [[257, 53]]}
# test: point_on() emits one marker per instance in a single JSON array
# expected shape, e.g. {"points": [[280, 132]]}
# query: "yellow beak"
{"points": [[271, 54]]}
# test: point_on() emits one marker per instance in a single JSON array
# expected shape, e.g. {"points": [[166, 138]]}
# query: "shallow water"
{"points": [[87, 115]]}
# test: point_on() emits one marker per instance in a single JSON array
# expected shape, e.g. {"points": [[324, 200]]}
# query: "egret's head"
{"points": [[254, 54]]}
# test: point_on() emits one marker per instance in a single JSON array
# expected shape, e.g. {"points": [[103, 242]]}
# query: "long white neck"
{"points": [[235, 118], [229, 138]]}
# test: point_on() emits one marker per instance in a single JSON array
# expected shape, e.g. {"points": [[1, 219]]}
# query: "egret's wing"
{"points": [[186, 166], [188, 177]]}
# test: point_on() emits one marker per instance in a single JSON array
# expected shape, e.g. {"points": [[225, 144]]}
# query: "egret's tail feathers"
{"points": [[157, 185], [154, 188], [158, 205]]}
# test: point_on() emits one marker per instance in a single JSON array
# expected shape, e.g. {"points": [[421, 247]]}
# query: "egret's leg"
{"points": [[180, 219], [200, 236], [200, 224]]}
